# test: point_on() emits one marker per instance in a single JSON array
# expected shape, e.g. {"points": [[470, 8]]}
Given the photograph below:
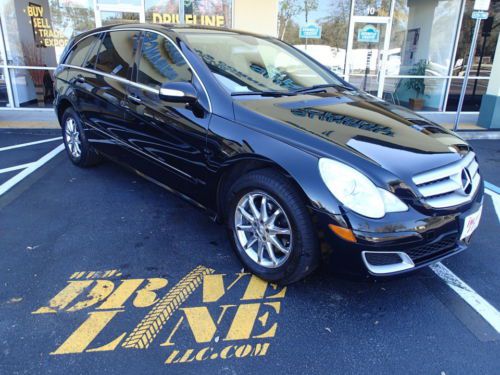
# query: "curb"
{"points": [[479, 135]]}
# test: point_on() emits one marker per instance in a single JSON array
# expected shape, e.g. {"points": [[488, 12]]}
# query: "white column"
{"points": [[489, 115], [257, 16]]}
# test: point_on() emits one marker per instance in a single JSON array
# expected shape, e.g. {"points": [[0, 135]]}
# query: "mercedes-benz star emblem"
{"points": [[466, 181]]}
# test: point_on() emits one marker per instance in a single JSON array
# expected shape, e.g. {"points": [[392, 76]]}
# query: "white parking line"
{"points": [[495, 197], [30, 169], [478, 303], [15, 168], [29, 143]]}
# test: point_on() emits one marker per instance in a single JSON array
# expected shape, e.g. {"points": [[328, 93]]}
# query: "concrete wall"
{"points": [[258, 16], [489, 114]]}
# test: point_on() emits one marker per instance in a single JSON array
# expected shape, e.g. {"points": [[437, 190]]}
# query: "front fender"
{"points": [[229, 142]]}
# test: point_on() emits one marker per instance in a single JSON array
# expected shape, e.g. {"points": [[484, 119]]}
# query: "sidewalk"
{"points": [[19, 119]]}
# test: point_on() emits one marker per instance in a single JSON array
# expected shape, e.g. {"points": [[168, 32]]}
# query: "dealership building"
{"points": [[412, 53]]}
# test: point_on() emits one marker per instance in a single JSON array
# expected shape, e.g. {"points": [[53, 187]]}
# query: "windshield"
{"points": [[245, 63]]}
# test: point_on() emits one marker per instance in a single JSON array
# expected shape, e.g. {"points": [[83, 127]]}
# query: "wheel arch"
{"points": [[61, 107], [236, 168]]}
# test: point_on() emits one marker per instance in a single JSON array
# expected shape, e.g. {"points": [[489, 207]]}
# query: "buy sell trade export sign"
{"points": [[204, 316]]}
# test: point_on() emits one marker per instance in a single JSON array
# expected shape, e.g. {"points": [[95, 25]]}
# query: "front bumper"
{"points": [[399, 242]]}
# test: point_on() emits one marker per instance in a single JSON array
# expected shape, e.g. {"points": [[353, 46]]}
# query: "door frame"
{"points": [[387, 21], [139, 9]]}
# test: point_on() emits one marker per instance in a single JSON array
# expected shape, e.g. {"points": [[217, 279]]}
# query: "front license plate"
{"points": [[471, 222]]}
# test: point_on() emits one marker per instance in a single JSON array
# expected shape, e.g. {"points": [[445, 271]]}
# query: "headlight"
{"points": [[355, 191]]}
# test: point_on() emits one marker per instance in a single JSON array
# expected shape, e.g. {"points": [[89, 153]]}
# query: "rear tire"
{"points": [[79, 150], [291, 236]]}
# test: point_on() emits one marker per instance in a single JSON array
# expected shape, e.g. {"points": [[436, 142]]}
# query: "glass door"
{"points": [[367, 53], [368, 44], [109, 14], [5, 88]]}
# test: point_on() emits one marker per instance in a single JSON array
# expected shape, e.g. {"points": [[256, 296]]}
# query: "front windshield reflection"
{"points": [[245, 63]]}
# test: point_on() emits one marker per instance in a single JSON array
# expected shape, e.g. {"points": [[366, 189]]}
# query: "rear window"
{"points": [[116, 54], [80, 51]]}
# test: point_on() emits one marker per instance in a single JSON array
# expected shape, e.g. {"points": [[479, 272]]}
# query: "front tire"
{"points": [[79, 150], [270, 227]]}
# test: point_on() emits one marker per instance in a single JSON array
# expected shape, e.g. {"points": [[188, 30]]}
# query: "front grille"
{"points": [[430, 250], [451, 185]]}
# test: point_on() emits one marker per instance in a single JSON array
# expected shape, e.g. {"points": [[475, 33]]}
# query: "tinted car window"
{"points": [[92, 56], [116, 54], [161, 62], [81, 50]]}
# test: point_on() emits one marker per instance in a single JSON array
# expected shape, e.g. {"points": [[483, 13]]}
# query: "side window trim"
{"points": [[137, 56]]}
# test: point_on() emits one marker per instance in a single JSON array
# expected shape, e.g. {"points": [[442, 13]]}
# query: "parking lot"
{"points": [[102, 271]]}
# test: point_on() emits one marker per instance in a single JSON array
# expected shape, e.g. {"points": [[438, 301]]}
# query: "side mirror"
{"points": [[178, 92]]}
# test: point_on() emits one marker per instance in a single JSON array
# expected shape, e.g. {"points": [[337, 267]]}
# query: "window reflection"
{"points": [[161, 62], [116, 53]]}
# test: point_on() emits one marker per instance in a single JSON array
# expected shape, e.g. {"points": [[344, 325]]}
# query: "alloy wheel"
{"points": [[263, 229], [72, 136]]}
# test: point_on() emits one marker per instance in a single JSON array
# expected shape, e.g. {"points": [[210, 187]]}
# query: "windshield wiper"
{"points": [[265, 93], [323, 87]]}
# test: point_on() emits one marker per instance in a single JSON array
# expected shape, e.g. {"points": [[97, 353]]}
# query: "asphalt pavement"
{"points": [[104, 272]]}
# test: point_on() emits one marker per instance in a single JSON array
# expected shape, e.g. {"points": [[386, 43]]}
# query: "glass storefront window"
{"points": [[44, 26], [419, 94], [162, 11], [379, 8], [119, 2], [422, 36], [32, 87], [331, 16], [421, 45], [4, 97], [486, 44], [476, 88], [112, 18], [208, 12]]}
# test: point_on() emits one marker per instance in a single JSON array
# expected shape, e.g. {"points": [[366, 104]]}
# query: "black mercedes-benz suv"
{"points": [[299, 164]]}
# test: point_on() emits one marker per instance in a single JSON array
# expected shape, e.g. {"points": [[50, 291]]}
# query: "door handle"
{"points": [[134, 99]]}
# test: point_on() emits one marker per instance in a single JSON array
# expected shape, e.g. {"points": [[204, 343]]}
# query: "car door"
{"points": [[113, 67], [81, 76], [170, 137]]}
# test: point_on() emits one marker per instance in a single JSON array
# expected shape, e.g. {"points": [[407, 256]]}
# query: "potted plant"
{"points": [[417, 84]]}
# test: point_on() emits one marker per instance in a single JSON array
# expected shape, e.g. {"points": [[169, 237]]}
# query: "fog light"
{"points": [[343, 233]]}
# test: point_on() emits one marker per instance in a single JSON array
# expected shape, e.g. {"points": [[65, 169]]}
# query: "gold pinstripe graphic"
{"points": [[145, 332]]}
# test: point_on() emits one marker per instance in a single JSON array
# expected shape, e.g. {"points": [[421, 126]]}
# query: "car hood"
{"points": [[393, 137]]}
